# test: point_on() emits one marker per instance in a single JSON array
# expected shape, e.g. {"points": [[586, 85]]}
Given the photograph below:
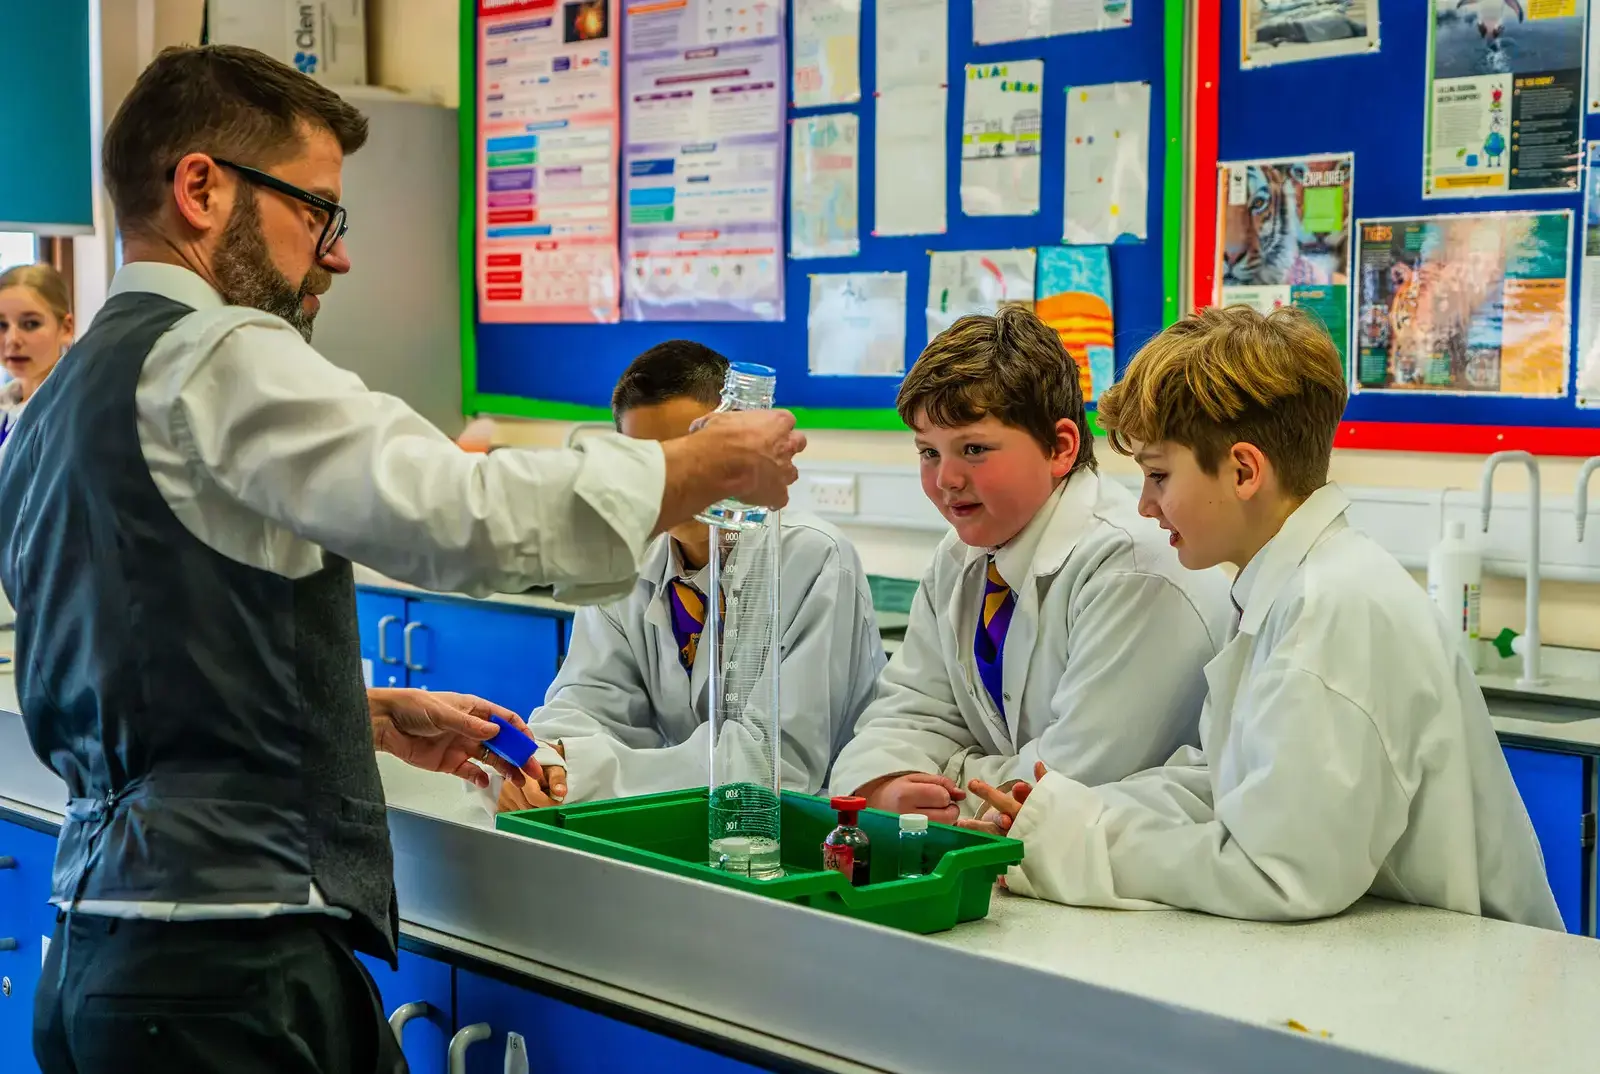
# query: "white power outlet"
{"points": [[833, 494]]}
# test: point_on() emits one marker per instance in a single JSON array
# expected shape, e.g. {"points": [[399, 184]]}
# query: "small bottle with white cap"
{"points": [[913, 844]]}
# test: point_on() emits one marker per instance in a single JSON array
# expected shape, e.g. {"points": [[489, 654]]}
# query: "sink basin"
{"points": [[1549, 712]]}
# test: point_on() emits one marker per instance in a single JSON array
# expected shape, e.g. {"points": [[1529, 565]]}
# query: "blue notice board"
{"points": [[567, 371]]}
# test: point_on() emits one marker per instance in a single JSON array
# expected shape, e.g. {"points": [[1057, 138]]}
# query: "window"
{"points": [[18, 248]]}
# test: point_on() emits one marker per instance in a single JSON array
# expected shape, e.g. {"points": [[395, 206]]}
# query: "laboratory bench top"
{"points": [[1124, 991]]}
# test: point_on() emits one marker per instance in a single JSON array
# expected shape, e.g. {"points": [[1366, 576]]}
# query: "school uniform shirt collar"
{"points": [[1263, 578], [1044, 543], [168, 281], [663, 563]]}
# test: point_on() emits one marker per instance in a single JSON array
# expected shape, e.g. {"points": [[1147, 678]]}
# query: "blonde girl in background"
{"points": [[35, 330]]}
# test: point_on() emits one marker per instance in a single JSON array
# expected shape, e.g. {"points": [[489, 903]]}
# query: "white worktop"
{"points": [[1440, 990]]}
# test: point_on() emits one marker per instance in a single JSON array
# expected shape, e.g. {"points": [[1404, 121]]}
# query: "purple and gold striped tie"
{"points": [[990, 644], [688, 620]]}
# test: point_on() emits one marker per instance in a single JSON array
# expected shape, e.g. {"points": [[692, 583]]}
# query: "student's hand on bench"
{"points": [[916, 792], [1003, 805], [527, 796], [554, 782]]}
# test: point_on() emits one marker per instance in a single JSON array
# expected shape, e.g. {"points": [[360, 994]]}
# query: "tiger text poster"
{"points": [[1465, 304], [1284, 237]]}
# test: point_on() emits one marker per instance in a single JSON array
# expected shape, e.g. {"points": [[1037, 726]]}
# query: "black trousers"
{"points": [[284, 995]]}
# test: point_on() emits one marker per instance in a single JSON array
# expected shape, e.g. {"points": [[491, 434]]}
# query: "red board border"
{"points": [[1205, 68]]}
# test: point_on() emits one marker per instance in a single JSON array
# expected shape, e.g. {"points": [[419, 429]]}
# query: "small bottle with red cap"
{"points": [[846, 849]]}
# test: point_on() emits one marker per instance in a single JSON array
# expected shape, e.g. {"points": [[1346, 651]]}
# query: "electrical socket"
{"points": [[832, 494]]}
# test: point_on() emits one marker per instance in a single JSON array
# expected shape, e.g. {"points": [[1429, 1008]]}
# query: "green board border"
{"points": [[885, 419]]}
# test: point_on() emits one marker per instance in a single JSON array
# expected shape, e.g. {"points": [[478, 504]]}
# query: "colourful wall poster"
{"points": [[1074, 298], [1589, 301], [1289, 31], [1465, 304], [703, 161], [823, 189], [547, 161], [1505, 105], [1285, 237]]}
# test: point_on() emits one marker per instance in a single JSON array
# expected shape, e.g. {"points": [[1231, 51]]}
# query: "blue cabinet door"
{"points": [[26, 917], [505, 655], [1551, 785], [563, 1039], [425, 1038], [381, 618]]}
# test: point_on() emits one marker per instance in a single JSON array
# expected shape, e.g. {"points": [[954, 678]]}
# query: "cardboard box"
{"points": [[326, 39]]}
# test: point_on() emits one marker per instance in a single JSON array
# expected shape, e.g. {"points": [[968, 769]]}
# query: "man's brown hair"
{"points": [[1011, 365], [230, 102], [1225, 376]]}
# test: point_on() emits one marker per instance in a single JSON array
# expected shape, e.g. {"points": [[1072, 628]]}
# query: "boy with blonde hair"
{"points": [[1345, 745], [1054, 623]]}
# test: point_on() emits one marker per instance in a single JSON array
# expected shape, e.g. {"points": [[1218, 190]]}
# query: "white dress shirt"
{"points": [[1345, 749], [269, 454]]}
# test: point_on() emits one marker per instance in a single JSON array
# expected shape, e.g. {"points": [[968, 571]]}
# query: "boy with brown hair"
{"points": [[1345, 746], [1054, 623]]}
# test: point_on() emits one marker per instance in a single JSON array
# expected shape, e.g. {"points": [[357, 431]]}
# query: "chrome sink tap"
{"points": [[1528, 644], [1580, 499]]}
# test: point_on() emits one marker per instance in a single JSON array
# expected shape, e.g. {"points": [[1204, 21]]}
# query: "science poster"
{"points": [[1285, 237], [547, 147], [1465, 304], [703, 161], [1505, 98]]}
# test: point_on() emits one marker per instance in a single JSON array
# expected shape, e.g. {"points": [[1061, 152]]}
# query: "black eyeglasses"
{"points": [[337, 220]]}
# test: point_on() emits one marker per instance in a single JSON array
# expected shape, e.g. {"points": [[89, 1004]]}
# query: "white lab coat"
{"points": [[1103, 658], [632, 721], [1345, 749]]}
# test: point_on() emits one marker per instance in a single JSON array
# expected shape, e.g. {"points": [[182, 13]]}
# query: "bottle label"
{"points": [[841, 859], [1471, 604]]}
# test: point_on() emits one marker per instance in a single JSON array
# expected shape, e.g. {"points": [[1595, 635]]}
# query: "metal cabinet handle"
{"points": [[383, 638], [7, 861], [403, 1014], [405, 637], [466, 1038]]}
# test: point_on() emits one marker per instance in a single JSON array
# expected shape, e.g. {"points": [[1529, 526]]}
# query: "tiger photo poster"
{"points": [[1284, 237], [1465, 304], [1291, 31]]}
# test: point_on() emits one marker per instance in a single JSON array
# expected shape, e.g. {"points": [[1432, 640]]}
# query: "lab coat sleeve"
{"points": [[599, 709], [1312, 809], [306, 444], [914, 724], [1132, 689], [821, 686]]}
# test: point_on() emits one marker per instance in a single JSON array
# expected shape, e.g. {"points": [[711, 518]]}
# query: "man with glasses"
{"points": [[179, 509]]}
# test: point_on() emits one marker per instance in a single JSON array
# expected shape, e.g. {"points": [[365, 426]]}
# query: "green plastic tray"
{"points": [[668, 832]]}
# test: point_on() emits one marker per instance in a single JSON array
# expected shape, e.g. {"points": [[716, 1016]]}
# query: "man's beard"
{"points": [[247, 277]]}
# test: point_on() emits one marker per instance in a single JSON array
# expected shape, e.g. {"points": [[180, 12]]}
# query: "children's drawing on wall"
{"points": [[1285, 236], [1074, 298]]}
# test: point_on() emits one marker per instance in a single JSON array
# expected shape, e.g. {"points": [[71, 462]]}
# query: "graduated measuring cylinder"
{"points": [[741, 631]]}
